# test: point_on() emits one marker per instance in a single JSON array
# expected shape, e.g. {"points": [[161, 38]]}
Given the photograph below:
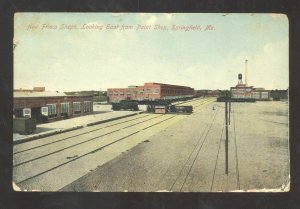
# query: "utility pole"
{"points": [[229, 109], [226, 127]]}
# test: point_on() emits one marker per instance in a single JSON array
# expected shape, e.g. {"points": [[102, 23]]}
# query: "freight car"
{"points": [[158, 104], [223, 99], [187, 109], [162, 109], [125, 105]]}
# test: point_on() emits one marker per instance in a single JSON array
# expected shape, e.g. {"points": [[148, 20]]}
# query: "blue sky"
{"points": [[81, 59]]}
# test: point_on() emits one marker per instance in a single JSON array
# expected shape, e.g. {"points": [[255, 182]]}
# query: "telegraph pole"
{"points": [[226, 127], [229, 109]]}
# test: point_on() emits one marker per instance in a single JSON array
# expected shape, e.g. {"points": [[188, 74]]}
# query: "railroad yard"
{"points": [[164, 152]]}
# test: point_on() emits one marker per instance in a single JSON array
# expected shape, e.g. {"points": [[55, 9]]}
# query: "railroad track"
{"points": [[75, 134], [88, 130], [76, 157], [35, 159], [232, 152], [188, 169], [191, 159], [236, 151]]}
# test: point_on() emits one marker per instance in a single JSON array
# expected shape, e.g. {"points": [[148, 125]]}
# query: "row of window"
{"points": [[147, 91], [167, 91], [121, 93], [65, 108]]}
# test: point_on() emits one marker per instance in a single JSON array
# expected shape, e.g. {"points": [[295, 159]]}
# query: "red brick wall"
{"points": [[147, 92], [38, 88], [33, 102]]}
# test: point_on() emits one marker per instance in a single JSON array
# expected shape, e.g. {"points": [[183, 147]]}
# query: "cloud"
{"points": [[267, 68], [169, 16], [278, 16], [271, 67], [152, 20]]}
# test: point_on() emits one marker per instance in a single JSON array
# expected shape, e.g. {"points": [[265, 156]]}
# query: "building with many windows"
{"points": [[249, 92], [50, 106], [149, 91]]}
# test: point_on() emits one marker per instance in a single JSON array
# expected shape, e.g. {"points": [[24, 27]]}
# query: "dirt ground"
{"points": [[190, 155]]}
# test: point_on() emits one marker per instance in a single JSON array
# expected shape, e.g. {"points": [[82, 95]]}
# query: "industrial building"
{"points": [[249, 92], [243, 91], [45, 106], [149, 91]]}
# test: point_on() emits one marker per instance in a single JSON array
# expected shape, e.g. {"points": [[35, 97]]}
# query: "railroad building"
{"points": [[149, 91], [47, 106], [242, 91], [261, 94]]}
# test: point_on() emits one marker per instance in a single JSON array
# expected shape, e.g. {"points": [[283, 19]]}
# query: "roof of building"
{"points": [[241, 87], [150, 84], [39, 94], [154, 83]]}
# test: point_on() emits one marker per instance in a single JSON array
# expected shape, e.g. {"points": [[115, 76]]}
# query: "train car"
{"points": [[160, 109], [187, 108], [125, 105]]}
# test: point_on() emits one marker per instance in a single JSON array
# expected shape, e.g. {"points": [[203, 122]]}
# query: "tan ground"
{"points": [[189, 155]]}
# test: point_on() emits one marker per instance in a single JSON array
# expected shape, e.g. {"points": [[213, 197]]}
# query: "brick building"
{"points": [[50, 105], [35, 89], [149, 91], [249, 92]]}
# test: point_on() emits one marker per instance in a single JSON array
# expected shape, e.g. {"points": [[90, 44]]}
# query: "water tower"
{"points": [[240, 77]]}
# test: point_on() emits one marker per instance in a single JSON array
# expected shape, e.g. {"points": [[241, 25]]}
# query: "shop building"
{"points": [[149, 91], [50, 106], [242, 91]]}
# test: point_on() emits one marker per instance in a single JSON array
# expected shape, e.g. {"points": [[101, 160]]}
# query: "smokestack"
{"points": [[246, 72]]}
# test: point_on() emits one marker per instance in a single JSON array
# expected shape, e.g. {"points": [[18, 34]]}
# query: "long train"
{"points": [[165, 105]]}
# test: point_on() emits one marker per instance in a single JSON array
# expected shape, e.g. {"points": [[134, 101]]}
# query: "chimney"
{"points": [[246, 73]]}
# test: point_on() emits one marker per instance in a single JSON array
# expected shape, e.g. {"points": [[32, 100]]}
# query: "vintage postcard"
{"points": [[151, 102]]}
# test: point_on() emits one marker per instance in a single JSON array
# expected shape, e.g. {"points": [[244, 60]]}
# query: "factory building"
{"points": [[261, 94], [249, 92], [46, 106], [243, 91], [149, 91]]}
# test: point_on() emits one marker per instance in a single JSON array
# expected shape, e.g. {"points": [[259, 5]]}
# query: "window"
{"points": [[156, 91], [148, 91], [128, 93], [121, 93], [76, 108], [110, 92], [64, 109], [51, 110], [87, 106], [141, 92], [116, 93]]}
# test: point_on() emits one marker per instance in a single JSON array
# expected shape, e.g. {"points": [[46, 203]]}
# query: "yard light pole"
{"points": [[229, 108], [226, 127]]}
